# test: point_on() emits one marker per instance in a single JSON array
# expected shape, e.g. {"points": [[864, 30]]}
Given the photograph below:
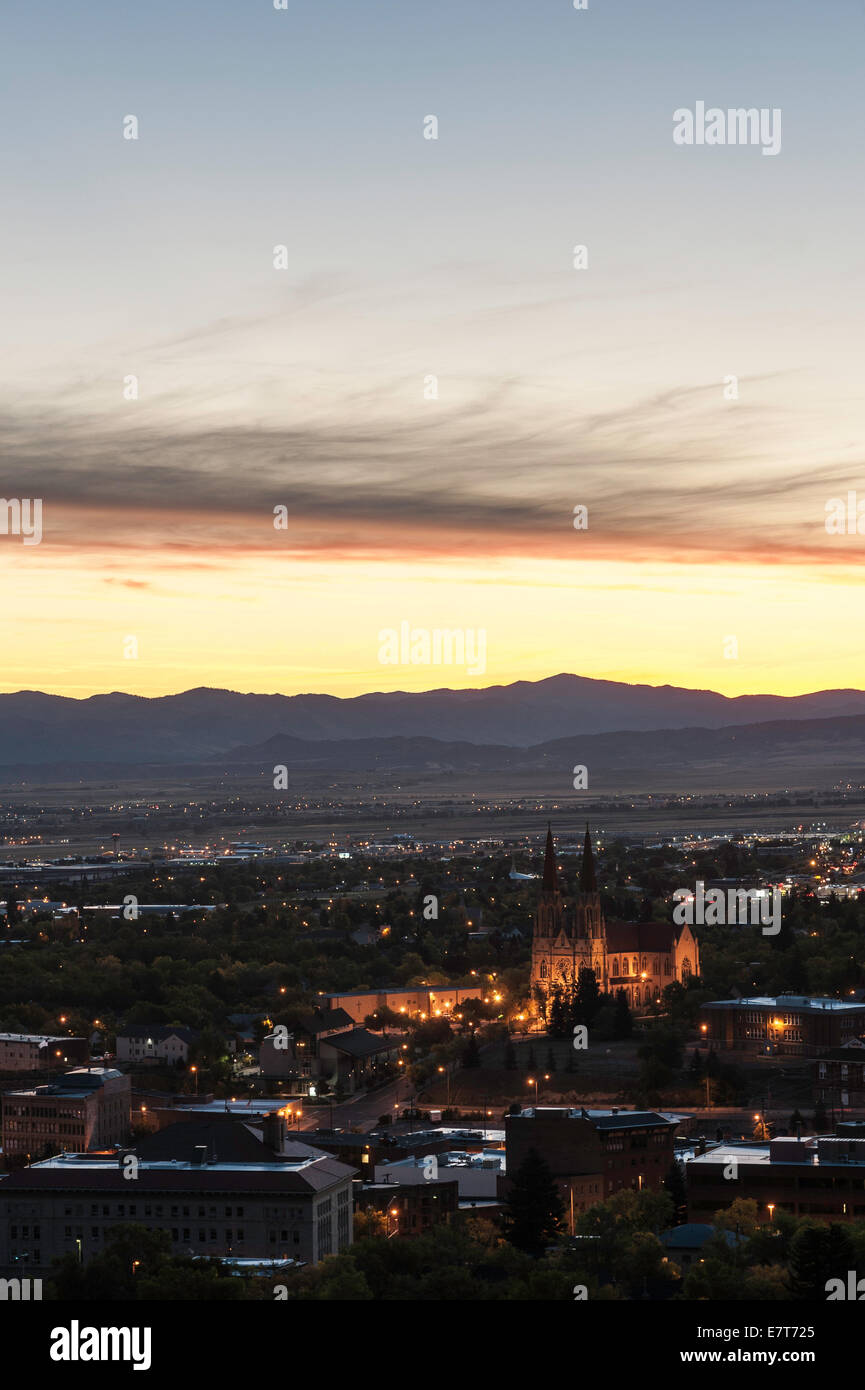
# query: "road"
{"points": [[360, 1112]]}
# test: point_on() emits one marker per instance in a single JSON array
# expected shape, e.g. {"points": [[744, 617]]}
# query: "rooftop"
{"points": [[101, 1172], [601, 1119], [797, 1003]]}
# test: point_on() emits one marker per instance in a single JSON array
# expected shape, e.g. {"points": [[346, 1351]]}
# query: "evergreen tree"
{"points": [[817, 1254], [532, 1061], [695, 1067], [551, 1061], [558, 1022], [510, 1060], [623, 1025], [587, 996], [533, 1208], [674, 1186], [471, 1053]]}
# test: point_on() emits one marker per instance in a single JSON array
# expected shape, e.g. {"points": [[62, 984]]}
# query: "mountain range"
{"points": [[507, 726]]}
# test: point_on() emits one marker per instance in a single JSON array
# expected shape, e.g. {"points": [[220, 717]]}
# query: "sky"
{"points": [[429, 386]]}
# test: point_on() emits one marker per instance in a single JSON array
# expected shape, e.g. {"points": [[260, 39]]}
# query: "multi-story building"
{"points": [[593, 1153], [422, 1001], [410, 1209], [839, 1082], [87, 1108], [41, 1052], [296, 1207], [821, 1177], [140, 1044], [787, 1024]]}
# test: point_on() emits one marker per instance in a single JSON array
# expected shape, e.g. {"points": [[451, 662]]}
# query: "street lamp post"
{"points": [[447, 1072]]}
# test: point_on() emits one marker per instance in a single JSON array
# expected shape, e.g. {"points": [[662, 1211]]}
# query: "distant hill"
{"points": [[807, 746], [205, 725]]}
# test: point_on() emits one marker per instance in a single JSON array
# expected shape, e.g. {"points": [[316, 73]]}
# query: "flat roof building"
{"points": [[821, 1176], [785, 1024], [41, 1051], [298, 1207], [593, 1153], [87, 1108]]}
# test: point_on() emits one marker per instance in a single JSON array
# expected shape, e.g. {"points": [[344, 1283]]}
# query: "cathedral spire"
{"points": [[588, 881], [551, 878]]}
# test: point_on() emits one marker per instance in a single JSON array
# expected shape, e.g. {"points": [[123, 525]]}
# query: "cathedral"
{"points": [[641, 958]]}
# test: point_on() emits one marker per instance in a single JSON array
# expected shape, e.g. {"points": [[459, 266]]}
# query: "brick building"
{"points": [[822, 1177], [839, 1077], [420, 1001], [41, 1051], [410, 1209], [295, 1207], [87, 1108], [784, 1025], [593, 1153]]}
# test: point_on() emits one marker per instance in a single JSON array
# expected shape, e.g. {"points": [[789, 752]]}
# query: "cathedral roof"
{"points": [[640, 936]]}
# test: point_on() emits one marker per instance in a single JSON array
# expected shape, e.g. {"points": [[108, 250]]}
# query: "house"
{"points": [[157, 1043]]}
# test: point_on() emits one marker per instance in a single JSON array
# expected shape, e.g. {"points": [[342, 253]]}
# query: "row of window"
{"points": [[229, 1235], [132, 1209]]}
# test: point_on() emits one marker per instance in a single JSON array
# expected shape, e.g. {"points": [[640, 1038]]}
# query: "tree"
{"points": [[817, 1254], [471, 1053], [534, 1214], [623, 1025], [136, 1264], [588, 996], [551, 1061], [510, 1057], [674, 1186], [532, 1061], [558, 1018]]}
